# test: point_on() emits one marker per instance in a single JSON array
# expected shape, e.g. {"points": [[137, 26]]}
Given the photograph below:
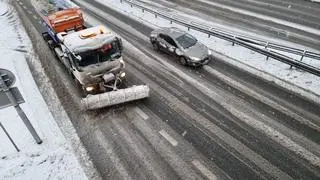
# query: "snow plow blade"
{"points": [[115, 97]]}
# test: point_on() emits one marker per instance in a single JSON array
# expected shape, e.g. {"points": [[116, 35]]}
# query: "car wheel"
{"points": [[155, 46], [183, 61]]}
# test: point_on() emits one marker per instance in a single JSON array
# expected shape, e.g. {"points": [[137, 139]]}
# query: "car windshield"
{"points": [[106, 53], [186, 40]]}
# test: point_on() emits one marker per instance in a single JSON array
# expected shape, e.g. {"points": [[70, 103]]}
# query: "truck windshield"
{"points": [[106, 53]]}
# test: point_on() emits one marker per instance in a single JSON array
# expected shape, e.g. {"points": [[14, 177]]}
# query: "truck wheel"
{"points": [[79, 86], [123, 84], [51, 44], [182, 61], [45, 36]]}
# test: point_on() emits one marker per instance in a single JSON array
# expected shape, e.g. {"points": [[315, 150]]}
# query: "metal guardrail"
{"points": [[249, 43]]}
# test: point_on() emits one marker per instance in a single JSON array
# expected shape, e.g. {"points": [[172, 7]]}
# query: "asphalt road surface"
{"points": [[196, 124]]}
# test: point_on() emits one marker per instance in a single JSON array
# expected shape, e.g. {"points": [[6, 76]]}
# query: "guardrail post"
{"points": [[234, 38], [131, 5], [188, 28], [142, 10], [208, 35], [155, 15], [121, 1], [170, 21], [266, 46], [303, 54]]}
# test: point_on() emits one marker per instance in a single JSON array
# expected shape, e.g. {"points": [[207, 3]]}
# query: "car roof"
{"points": [[172, 32]]}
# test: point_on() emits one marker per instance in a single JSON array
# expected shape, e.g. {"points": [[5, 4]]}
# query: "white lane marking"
{"points": [[35, 17], [168, 137], [184, 133], [204, 170], [24, 7], [20, 3], [112, 155], [29, 12], [141, 113]]}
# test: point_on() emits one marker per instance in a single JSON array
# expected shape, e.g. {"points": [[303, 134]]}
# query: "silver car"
{"points": [[182, 45]]}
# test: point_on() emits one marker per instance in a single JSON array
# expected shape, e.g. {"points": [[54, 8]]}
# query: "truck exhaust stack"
{"points": [[115, 97]]}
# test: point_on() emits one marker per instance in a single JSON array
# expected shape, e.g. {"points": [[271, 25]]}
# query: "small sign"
{"points": [[5, 102], [8, 77]]}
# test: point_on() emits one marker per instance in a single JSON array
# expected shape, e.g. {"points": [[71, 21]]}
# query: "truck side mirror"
{"points": [[120, 44]]}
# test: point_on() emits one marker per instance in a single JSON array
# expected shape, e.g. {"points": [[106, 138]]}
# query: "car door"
{"points": [[167, 43], [171, 45], [163, 45]]}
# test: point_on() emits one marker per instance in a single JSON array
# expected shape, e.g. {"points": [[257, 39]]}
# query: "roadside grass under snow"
{"points": [[54, 158]]}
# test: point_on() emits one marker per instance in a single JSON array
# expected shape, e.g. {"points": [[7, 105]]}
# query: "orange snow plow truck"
{"points": [[93, 57]]}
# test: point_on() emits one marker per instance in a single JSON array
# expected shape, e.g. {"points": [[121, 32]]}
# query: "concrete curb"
{"points": [[47, 90]]}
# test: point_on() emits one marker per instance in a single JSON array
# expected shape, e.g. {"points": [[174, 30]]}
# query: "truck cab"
{"points": [[94, 58]]}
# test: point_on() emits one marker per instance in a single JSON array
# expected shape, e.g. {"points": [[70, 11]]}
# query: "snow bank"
{"points": [[54, 158]]}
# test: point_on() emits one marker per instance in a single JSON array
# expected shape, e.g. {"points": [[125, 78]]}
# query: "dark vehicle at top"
{"points": [[179, 43]]}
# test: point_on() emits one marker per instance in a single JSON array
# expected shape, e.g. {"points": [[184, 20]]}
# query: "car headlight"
{"points": [[123, 74], [195, 58], [89, 88], [209, 52]]}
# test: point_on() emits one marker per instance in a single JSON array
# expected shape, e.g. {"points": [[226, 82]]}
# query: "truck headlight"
{"points": [[123, 74], [122, 62], [89, 88]]}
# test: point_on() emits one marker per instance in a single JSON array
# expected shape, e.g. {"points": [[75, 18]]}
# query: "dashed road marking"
{"points": [[24, 7], [20, 3], [112, 155], [29, 12], [35, 17], [184, 133], [169, 138], [204, 170], [141, 113]]}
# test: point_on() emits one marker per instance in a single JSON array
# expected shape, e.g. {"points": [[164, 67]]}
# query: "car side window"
{"points": [[161, 36], [169, 40]]}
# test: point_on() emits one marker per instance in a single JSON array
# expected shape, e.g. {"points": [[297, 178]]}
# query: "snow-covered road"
{"points": [[240, 56], [192, 126]]}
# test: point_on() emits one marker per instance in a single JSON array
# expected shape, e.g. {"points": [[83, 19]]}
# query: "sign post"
{"points": [[7, 79], [5, 131]]}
